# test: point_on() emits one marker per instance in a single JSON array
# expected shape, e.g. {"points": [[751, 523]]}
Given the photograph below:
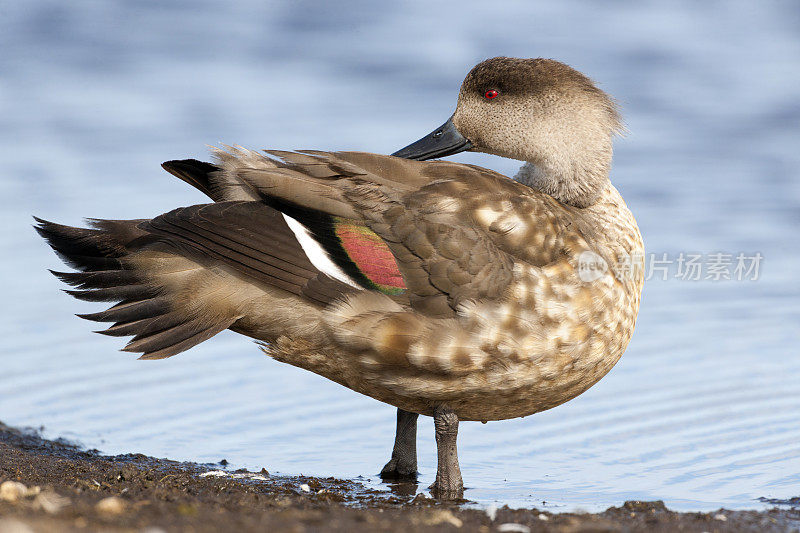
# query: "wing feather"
{"points": [[401, 202], [252, 238]]}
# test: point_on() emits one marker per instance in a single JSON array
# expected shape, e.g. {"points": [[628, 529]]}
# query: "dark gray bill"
{"points": [[444, 140]]}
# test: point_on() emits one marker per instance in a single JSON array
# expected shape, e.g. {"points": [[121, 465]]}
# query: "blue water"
{"points": [[702, 411]]}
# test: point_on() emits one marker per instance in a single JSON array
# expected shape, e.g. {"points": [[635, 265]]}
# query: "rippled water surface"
{"points": [[702, 411]]}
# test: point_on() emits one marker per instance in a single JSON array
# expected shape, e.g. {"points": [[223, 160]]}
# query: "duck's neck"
{"points": [[574, 185]]}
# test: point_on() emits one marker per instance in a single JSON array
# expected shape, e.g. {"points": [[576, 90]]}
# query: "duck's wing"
{"points": [[427, 214], [184, 276], [251, 238]]}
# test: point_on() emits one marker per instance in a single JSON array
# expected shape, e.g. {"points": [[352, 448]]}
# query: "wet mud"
{"points": [[56, 486]]}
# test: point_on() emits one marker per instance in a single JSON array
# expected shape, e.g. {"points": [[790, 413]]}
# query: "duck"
{"points": [[443, 289]]}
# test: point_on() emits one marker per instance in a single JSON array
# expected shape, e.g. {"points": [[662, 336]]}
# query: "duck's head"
{"points": [[536, 110]]}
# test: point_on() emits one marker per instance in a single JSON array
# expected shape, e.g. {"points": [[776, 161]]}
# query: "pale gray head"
{"points": [[536, 110]]}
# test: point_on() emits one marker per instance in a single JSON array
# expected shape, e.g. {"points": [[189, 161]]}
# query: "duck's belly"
{"points": [[499, 392]]}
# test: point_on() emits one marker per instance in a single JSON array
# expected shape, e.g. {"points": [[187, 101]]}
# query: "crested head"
{"points": [[545, 113]]}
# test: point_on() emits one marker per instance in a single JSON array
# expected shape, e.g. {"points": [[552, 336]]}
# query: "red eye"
{"points": [[491, 93]]}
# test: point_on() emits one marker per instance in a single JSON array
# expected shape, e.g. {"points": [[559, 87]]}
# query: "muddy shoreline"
{"points": [[56, 486]]}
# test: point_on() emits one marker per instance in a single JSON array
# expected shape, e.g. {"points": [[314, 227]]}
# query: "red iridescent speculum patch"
{"points": [[371, 256]]}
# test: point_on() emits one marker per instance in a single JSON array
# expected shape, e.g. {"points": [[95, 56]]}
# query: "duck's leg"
{"points": [[403, 464], [448, 484]]}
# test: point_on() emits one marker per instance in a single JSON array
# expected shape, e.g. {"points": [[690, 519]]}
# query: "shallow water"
{"points": [[702, 411]]}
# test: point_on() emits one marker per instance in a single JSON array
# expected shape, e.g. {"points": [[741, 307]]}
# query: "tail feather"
{"points": [[101, 255], [81, 248], [195, 173], [184, 345], [97, 279], [131, 311], [115, 294], [172, 341], [145, 326]]}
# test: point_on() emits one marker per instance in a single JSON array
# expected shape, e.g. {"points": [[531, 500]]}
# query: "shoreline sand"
{"points": [[56, 486]]}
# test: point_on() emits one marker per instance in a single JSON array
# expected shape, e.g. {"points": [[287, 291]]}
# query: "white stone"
{"points": [[511, 527], [110, 505], [491, 512], [215, 473], [12, 491]]}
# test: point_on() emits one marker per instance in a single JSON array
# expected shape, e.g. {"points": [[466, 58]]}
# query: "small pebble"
{"points": [[50, 502], [544, 517], [513, 528], [12, 491], [442, 516], [215, 473], [491, 512], [305, 488], [110, 505]]}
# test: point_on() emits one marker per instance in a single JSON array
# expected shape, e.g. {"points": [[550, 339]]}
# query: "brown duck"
{"points": [[444, 289]]}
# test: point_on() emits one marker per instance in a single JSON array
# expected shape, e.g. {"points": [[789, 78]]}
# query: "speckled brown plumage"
{"points": [[494, 317], [498, 322]]}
